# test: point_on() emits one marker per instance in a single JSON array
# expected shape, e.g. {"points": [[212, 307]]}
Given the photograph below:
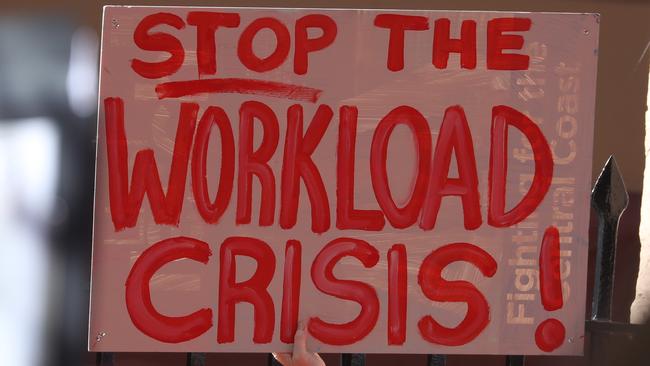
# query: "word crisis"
{"points": [[431, 178], [255, 291], [207, 23]]}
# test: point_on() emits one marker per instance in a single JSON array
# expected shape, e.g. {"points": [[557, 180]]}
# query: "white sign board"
{"points": [[401, 181]]}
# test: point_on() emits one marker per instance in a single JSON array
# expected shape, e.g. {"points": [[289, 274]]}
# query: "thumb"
{"points": [[283, 358], [300, 341]]}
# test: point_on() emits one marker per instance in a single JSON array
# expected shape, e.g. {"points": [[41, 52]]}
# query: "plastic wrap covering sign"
{"points": [[400, 181]]}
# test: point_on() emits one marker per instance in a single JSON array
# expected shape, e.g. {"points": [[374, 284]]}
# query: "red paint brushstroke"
{"points": [[290, 290], [400, 217], [504, 117], [298, 165], [322, 274], [454, 138], [255, 162], [253, 291], [347, 217], [550, 282], [397, 294], [145, 317], [126, 198], [436, 288], [178, 89], [398, 25], [550, 335], [443, 44]]}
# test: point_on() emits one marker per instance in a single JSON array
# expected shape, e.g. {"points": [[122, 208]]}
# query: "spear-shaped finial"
{"points": [[609, 198]]}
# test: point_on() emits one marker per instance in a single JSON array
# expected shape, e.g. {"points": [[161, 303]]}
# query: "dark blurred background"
{"points": [[48, 86]]}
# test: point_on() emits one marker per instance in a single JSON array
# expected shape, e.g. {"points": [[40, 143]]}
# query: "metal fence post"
{"points": [[353, 359], [195, 359], [515, 360], [104, 359], [609, 198], [436, 360]]}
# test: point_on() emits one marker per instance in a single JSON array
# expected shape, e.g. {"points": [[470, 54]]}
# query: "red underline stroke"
{"points": [[177, 89]]}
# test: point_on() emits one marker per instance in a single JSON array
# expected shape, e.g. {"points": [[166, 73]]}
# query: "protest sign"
{"points": [[401, 181]]}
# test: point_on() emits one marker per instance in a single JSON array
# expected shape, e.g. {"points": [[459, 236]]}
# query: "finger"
{"points": [[283, 358], [300, 342], [321, 362]]}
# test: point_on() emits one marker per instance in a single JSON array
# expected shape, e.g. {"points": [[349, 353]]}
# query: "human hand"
{"points": [[300, 355]]}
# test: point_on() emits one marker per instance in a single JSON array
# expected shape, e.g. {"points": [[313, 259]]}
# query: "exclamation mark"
{"points": [[550, 333]]}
